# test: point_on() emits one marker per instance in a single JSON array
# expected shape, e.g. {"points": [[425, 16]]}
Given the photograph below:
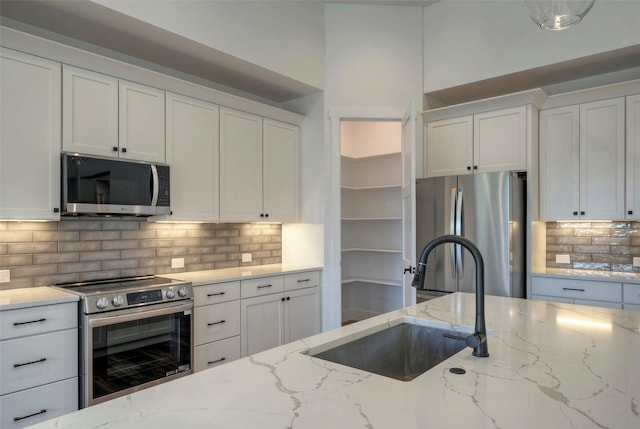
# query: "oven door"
{"points": [[129, 350]]}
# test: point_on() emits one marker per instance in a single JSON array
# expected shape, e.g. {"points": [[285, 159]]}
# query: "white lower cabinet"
{"points": [[240, 318], [631, 296], [573, 291], [216, 324], [38, 364], [273, 319], [31, 406], [216, 353]]}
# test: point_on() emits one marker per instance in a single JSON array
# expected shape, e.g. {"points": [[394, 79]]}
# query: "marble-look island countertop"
{"points": [[551, 366]]}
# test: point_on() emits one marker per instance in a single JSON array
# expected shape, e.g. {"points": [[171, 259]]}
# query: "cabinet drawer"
{"points": [[216, 293], [217, 353], [36, 405], [38, 320], [262, 286], [301, 280], [215, 322], [38, 359], [631, 294], [577, 289], [635, 307]]}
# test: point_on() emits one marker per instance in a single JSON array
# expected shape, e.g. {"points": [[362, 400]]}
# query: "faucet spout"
{"points": [[477, 340]]}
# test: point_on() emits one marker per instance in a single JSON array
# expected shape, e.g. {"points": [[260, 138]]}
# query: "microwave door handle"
{"points": [[155, 184]]}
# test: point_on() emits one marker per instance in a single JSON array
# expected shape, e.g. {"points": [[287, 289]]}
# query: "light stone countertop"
{"points": [[12, 299], [198, 278], [612, 276], [552, 366]]}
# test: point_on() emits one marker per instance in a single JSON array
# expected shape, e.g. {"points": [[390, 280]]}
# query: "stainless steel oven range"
{"points": [[135, 332]]}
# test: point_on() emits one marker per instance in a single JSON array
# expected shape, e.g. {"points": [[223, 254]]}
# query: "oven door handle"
{"points": [[103, 319]]}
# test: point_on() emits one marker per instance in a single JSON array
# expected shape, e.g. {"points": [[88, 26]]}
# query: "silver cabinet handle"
{"points": [[18, 365], [30, 321], [216, 361], [17, 419], [264, 286], [573, 289], [216, 294], [216, 323]]}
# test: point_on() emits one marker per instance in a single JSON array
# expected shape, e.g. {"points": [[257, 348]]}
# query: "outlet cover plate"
{"points": [[177, 263], [636, 261], [5, 276], [563, 259], [246, 257]]}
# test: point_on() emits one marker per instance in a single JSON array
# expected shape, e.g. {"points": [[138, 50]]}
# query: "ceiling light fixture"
{"points": [[558, 14]]}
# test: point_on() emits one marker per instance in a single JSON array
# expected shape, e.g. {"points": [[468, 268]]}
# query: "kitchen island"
{"points": [[551, 366]]}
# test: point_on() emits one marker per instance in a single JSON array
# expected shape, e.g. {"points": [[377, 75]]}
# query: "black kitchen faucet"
{"points": [[477, 340]]}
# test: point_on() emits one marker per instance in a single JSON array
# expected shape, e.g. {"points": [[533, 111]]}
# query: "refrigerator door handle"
{"points": [[453, 231], [459, 232]]}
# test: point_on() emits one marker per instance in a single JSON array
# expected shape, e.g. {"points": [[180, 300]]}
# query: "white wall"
{"points": [[303, 242], [286, 37], [373, 55], [369, 138], [467, 41], [373, 64]]}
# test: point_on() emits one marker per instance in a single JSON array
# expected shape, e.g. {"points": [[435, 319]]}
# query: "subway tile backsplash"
{"points": [[43, 253], [603, 246]]}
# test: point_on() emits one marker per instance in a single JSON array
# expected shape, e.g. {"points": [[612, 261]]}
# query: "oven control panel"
{"points": [[122, 299]]}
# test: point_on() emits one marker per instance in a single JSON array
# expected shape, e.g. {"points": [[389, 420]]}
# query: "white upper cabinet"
{"points": [[582, 161], [280, 155], [141, 124], [258, 168], [89, 112], [240, 165], [29, 137], [633, 157], [484, 142], [192, 152], [449, 146], [500, 140], [105, 116]]}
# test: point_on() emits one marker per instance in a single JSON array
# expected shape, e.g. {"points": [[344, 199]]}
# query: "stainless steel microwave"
{"points": [[106, 186]]}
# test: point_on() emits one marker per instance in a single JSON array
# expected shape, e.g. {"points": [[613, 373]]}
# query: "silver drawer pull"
{"points": [[17, 419], [216, 323], [216, 361], [216, 294], [573, 289], [30, 321], [304, 280], [18, 365], [264, 286]]}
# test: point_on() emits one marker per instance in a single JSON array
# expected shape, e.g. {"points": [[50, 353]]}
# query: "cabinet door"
{"points": [[262, 323], [301, 314], [240, 166], [559, 163], [141, 122], [280, 152], [28, 407], [29, 137], [500, 140], [633, 158], [602, 157], [89, 112], [192, 152], [449, 147]]}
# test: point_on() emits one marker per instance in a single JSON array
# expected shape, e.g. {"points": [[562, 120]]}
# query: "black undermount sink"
{"points": [[403, 352]]}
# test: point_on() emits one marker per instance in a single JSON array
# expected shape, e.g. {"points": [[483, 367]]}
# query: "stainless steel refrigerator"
{"points": [[488, 209]]}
